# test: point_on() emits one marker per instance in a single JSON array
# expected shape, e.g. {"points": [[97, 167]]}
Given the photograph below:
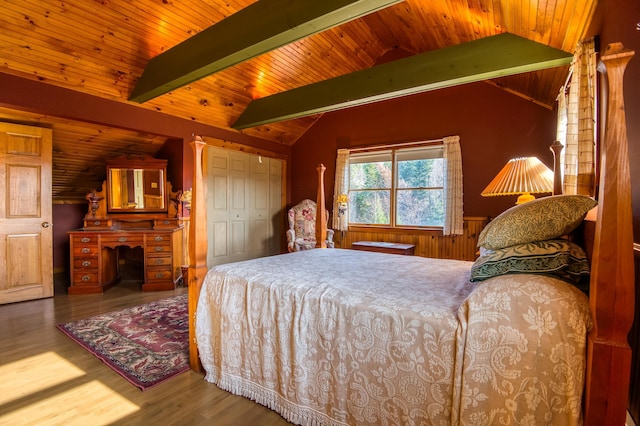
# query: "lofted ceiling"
{"points": [[102, 47]]}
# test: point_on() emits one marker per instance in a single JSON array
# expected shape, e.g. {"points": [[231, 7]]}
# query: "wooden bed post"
{"points": [[197, 247], [321, 211], [556, 148], [611, 294]]}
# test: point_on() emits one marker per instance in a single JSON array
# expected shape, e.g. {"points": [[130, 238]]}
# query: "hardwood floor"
{"points": [[47, 379]]}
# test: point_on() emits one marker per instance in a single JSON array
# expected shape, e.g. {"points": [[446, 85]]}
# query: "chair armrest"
{"points": [[291, 238]]}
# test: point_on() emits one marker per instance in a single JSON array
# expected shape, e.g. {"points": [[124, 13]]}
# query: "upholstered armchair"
{"points": [[301, 234]]}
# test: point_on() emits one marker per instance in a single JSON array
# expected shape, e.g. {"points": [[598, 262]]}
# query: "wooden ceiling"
{"points": [[102, 47]]}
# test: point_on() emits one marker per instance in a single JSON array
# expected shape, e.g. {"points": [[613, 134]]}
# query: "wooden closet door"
{"points": [[26, 236]]}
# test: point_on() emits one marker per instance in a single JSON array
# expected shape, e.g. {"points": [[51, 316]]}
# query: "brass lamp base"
{"points": [[525, 198]]}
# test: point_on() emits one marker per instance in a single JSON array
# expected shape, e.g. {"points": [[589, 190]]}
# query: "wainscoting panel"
{"points": [[428, 243]]}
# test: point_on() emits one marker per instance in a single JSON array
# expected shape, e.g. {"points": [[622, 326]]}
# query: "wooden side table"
{"points": [[382, 247]]}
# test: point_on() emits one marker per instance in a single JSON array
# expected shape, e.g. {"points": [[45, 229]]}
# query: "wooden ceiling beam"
{"points": [[483, 59], [259, 28]]}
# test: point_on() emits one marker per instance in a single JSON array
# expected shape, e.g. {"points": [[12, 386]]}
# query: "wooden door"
{"points": [[26, 237]]}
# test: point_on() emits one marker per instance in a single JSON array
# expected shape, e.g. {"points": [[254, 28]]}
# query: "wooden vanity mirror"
{"points": [[135, 209], [136, 185]]}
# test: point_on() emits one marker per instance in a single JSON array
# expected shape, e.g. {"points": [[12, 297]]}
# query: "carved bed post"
{"points": [[321, 211], [556, 148], [197, 247], [611, 295]]}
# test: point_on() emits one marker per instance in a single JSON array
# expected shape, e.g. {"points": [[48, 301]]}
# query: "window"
{"points": [[401, 187]]}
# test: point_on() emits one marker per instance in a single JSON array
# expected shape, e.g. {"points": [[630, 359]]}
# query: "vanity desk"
{"points": [[136, 208]]}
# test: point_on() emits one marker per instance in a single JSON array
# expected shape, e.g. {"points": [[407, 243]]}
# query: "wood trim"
{"points": [[611, 293], [235, 146], [197, 248], [321, 212]]}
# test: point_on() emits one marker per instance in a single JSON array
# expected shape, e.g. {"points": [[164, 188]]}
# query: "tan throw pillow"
{"points": [[542, 219]]}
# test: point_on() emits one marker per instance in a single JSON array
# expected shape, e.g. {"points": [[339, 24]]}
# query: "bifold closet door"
{"points": [[243, 222]]}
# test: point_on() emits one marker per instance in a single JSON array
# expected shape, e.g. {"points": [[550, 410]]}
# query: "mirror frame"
{"points": [[145, 163]]}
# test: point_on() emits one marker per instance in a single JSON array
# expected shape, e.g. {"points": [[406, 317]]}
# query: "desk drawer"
{"points": [[157, 249], [166, 223], [84, 250], [129, 240], [85, 278], [85, 240], [158, 261], [159, 274], [159, 239], [85, 263]]}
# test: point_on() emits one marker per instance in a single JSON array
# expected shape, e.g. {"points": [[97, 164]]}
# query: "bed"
{"points": [[350, 337]]}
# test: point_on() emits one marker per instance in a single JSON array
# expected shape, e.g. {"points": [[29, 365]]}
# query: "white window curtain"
{"points": [[453, 219], [579, 152], [561, 132], [341, 186]]}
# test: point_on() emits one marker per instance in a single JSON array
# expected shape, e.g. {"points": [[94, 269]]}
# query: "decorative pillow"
{"points": [[558, 257], [542, 219]]}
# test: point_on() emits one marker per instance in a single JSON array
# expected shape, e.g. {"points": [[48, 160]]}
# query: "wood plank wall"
{"points": [[428, 243], [634, 342]]}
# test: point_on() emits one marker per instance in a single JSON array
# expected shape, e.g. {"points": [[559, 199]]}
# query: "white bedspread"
{"points": [[351, 337]]}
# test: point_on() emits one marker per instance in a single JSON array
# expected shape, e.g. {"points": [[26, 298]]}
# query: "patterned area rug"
{"points": [[146, 344]]}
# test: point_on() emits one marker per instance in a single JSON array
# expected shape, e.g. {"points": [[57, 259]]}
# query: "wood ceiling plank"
{"points": [[256, 29], [501, 55]]}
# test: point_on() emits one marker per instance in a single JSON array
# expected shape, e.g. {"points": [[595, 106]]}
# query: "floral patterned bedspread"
{"points": [[335, 337]]}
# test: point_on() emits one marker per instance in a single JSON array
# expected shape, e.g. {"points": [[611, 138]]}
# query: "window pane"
{"points": [[370, 175], [420, 207], [369, 207], [421, 173]]}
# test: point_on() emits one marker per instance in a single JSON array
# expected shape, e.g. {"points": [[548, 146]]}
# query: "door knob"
{"points": [[46, 224]]}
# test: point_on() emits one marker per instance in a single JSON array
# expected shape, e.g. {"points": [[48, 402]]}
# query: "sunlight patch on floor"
{"points": [[34, 374], [37, 401], [90, 403]]}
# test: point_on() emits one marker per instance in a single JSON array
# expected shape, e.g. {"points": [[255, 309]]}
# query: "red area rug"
{"points": [[146, 344]]}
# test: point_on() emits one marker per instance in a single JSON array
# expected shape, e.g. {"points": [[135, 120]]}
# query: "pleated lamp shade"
{"points": [[525, 176]]}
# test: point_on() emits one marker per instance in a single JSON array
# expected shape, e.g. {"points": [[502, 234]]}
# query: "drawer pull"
{"points": [[85, 239], [158, 248], [97, 223], [158, 261], [86, 278], [166, 222], [159, 275], [158, 238], [86, 250], [86, 263], [122, 239]]}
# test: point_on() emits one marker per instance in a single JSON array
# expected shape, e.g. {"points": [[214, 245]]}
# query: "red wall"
{"points": [[66, 217], [494, 126]]}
